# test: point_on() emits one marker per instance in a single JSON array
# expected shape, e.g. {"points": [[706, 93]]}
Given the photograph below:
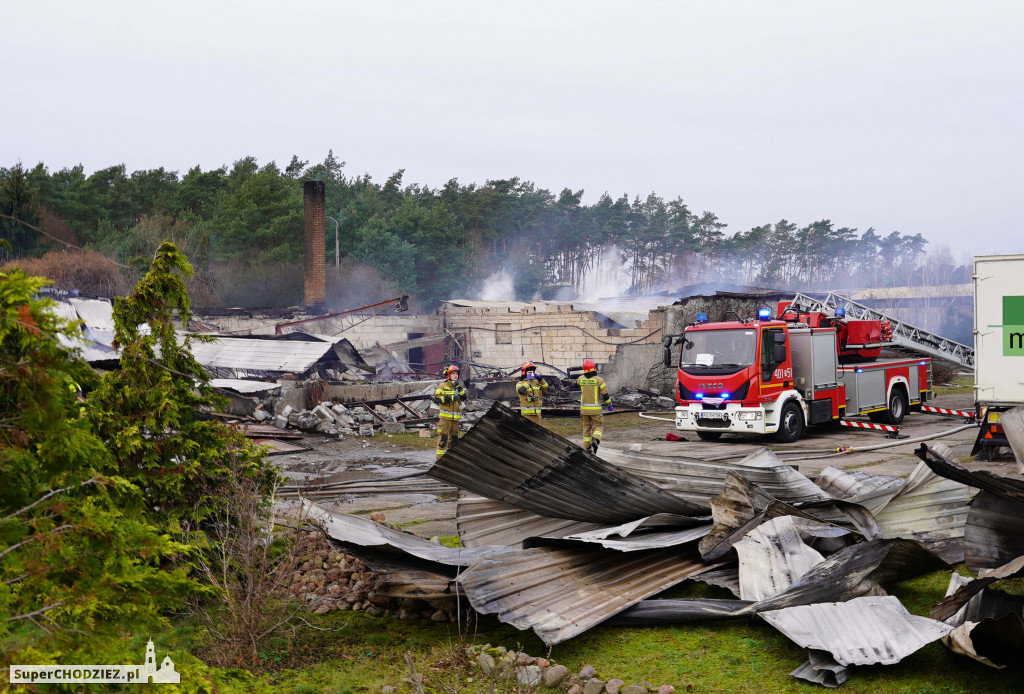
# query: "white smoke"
{"points": [[609, 277], [498, 286]]}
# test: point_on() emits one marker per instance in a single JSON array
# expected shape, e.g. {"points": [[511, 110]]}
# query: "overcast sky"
{"points": [[897, 115]]}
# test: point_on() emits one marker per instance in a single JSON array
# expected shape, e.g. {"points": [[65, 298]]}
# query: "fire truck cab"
{"points": [[779, 375]]}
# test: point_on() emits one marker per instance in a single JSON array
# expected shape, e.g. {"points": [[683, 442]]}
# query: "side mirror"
{"points": [[667, 357]]}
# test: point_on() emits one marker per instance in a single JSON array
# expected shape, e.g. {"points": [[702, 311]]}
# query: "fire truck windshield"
{"points": [[718, 348]]}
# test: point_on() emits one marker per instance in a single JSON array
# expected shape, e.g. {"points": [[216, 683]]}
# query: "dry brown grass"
{"points": [[85, 271]]}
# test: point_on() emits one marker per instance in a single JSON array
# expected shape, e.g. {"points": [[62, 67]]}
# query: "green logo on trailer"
{"points": [[1013, 326]]}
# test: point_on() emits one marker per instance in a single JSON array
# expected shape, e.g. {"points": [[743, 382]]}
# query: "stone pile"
{"points": [[542, 674], [326, 580], [643, 400]]}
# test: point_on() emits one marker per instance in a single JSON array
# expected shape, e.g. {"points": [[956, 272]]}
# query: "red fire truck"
{"points": [[777, 375]]}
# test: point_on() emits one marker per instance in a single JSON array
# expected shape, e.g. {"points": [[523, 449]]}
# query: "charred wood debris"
{"points": [[558, 540]]}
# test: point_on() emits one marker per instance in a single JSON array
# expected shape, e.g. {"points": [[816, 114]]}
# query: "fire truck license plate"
{"points": [[713, 415]]}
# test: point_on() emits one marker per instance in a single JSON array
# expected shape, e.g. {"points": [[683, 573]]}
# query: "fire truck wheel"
{"points": [[897, 408], [791, 423], [709, 435]]}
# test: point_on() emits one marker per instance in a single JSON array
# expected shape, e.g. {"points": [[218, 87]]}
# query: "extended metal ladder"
{"points": [[904, 335]]}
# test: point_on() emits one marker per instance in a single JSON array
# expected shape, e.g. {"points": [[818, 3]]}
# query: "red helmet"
{"points": [[589, 365], [448, 371], [528, 366]]}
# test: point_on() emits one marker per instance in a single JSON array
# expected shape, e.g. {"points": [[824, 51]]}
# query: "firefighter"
{"points": [[593, 393], [449, 396], [531, 388]]}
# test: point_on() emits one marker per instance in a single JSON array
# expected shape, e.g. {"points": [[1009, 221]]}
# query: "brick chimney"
{"points": [[313, 211]]}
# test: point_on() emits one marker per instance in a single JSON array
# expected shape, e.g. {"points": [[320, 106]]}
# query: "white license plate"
{"points": [[713, 415]]}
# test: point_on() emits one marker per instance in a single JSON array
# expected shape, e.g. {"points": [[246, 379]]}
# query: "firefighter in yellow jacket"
{"points": [[593, 394], [531, 389], [449, 396]]}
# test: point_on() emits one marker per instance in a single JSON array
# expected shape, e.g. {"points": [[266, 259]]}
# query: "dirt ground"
{"points": [[429, 513]]}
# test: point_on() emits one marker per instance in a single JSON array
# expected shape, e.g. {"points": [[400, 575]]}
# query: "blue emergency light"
{"points": [[840, 312], [702, 318], [764, 314], [725, 396]]}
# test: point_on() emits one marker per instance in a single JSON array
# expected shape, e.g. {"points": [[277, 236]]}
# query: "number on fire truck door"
{"points": [[774, 372]]}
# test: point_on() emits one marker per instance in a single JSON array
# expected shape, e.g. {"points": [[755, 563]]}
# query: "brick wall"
{"points": [[314, 220]]}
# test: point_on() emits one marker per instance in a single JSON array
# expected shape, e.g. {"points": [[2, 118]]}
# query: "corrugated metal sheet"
{"points": [[97, 314], [508, 458], [97, 328], [699, 481], [869, 490], [668, 612], [482, 521], [929, 508], [240, 385], [560, 593], [773, 555], [854, 571], [821, 668], [862, 631], [992, 531], [347, 528], [284, 356], [967, 590], [630, 538]]}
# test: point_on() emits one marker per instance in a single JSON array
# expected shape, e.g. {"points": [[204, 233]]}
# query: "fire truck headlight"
{"points": [[745, 416], [682, 414]]}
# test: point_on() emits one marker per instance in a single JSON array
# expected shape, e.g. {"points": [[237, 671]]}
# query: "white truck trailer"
{"points": [[998, 349]]}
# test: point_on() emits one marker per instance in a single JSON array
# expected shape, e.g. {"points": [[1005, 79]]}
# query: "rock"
{"points": [[666, 403], [594, 686], [281, 422], [525, 659], [636, 447], [439, 616], [378, 516], [575, 689], [554, 675], [634, 689], [542, 662], [529, 676], [338, 409], [613, 685], [307, 420], [288, 409], [388, 689], [666, 689], [374, 611], [262, 415], [485, 663], [587, 672], [323, 609], [394, 427], [407, 614]]}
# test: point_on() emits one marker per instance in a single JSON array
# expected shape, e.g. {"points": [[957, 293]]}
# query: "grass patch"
{"points": [[359, 654]]}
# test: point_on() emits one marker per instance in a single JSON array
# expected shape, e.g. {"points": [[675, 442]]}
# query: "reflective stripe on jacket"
{"points": [[531, 394], [593, 392], [449, 397]]}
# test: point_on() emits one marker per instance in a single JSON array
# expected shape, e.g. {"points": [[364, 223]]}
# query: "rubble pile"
{"points": [[328, 580], [355, 419], [643, 400]]}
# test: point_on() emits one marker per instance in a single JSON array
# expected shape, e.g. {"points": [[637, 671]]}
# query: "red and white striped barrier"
{"points": [[942, 410], [892, 430]]}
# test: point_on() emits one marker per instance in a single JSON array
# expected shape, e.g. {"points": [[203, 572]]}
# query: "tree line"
{"points": [[241, 228]]}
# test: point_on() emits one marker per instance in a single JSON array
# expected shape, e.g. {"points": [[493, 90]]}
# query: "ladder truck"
{"points": [[778, 375]]}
